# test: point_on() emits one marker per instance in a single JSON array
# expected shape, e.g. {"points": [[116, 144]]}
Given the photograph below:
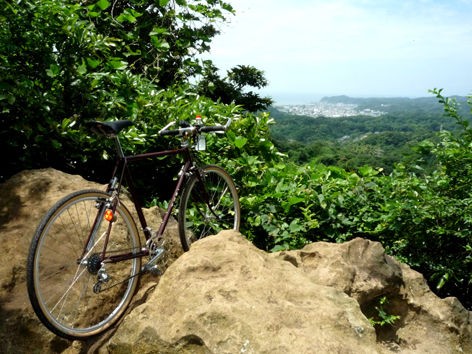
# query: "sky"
{"points": [[362, 48]]}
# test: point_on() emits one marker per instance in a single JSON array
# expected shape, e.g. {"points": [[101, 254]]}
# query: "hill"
{"points": [[351, 132], [395, 104]]}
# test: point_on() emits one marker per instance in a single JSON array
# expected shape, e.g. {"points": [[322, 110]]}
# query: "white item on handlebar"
{"points": [[166, 127]]}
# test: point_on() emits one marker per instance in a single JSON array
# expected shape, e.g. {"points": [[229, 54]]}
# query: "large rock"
{"points": [[24, 199], [361, 269], [226, 296], [236, 298]]}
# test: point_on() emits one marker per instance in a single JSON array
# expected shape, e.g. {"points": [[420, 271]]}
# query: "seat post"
{"points": [[118, 148]]}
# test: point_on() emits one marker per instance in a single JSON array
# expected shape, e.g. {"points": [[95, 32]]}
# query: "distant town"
{"points": [[331, 110]]}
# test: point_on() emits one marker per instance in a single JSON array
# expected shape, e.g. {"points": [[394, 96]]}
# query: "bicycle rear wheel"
{"points": [[208, 205], [62, 280]]}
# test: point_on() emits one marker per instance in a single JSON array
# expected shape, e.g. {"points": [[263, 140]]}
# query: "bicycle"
{"points": [[86, 256]]}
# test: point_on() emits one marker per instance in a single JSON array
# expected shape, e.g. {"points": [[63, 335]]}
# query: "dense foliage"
{"points": [[64, 62]]}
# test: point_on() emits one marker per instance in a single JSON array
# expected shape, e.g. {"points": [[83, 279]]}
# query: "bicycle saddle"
{"points": [[109, 129]]}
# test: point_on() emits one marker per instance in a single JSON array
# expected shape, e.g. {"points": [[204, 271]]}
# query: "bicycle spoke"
{"points": [[66, 293], [208, 205]]}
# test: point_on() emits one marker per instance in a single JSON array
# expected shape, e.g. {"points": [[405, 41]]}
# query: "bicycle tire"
{"points": [[206, 210], [61, 284]]}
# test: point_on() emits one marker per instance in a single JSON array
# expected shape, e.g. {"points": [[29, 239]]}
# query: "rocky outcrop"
{"points": [[24, 199], [361, 269], [238, 299], [227, 296]]}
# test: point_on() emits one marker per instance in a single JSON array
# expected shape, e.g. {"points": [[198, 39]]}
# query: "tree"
{"points": [[232, 88], [160, 39], [92, 59]]}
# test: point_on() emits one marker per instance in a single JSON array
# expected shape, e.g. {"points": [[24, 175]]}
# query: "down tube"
{"points": [[183, 173]]}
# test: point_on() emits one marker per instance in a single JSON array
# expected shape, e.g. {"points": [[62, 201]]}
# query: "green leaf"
{"points": [[295, 226], [295, 200], [82, 68], [53, 70], [279, 248], [93, 63], [444, 279], [117, 64], [56, 144], [240, 141], [126, 17], [159, 44], [366, 171], [103, 4], [163, 3], [129, 15], [158, 31]]}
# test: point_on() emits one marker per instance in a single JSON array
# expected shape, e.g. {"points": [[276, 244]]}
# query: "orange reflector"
{"points": [[109, 215]]}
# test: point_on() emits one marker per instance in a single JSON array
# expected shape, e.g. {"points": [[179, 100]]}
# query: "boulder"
{"points": [[361, 269], [238, 299], [235, 298], [24, 199]]}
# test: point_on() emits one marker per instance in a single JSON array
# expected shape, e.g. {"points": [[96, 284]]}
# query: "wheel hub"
{"points": [[94, 263]]}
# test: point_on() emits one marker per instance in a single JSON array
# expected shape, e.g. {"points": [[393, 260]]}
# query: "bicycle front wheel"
{"points": [[208, 205], [73, 288]]}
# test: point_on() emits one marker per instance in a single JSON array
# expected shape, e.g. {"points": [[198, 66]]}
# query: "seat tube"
{"points": [[118, 147]]}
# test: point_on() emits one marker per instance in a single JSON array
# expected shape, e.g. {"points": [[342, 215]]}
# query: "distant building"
{"points": [[330, 110]]}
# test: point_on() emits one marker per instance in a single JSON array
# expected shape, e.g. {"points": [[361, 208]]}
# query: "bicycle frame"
{"points": [[122, 171], [186, 167]]}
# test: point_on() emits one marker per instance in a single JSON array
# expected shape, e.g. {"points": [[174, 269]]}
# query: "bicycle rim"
{"points": [[208, 206], [61, 282]]}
